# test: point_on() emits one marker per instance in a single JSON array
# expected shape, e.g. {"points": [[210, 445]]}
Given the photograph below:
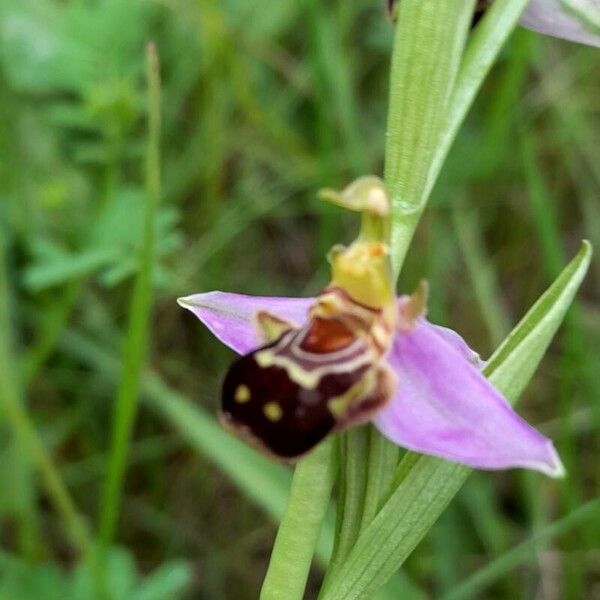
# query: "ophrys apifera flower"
{"points": [[357, 353]]}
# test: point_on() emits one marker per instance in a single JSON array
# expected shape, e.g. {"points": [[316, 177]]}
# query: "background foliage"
{"points": [[263, 103]]}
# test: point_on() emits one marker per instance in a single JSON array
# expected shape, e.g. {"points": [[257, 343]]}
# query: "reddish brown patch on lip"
{"points": [[327, 335]]}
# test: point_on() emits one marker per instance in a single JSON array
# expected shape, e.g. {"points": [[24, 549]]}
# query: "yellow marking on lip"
{"points": [[339, 405], [242, 394], [273, 411], [264, 358]]}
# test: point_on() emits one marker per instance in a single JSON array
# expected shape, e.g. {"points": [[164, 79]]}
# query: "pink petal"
{"points": [[231, 316], [445, 407], [459, 344], [553, 17], [453, 338]]}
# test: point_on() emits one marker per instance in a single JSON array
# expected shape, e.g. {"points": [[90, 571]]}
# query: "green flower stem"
{"points": [[424, 119], [139, 315], [24, 430], [299, 529]]}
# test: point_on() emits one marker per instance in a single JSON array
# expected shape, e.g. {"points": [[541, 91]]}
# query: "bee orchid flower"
{"points": [[442, 404], [357, 353]]}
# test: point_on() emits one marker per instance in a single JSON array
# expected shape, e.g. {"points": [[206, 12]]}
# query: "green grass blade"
{"points": [[264, 481], [137, 333], [22, 497], [533, 334], [24, 429]]}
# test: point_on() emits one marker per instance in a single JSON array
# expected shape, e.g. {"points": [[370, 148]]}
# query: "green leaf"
{"points": [[429, 41], [425, 485]]}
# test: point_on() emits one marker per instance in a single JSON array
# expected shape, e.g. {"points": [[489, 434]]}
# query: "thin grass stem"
{"points": [[137, 332], [24, 429]]}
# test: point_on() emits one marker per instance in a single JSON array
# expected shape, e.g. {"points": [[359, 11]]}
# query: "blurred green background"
{"points": [[263, 103]]}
